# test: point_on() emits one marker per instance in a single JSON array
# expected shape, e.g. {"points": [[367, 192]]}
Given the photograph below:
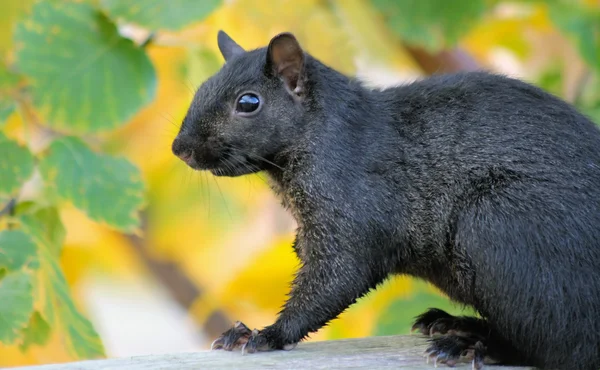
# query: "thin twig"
{"points": [[149, 40], [444, 61], [9, 208], [581, 85]]}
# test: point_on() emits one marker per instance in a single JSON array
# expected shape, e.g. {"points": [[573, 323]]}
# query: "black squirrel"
{"points": [[484, 185]]}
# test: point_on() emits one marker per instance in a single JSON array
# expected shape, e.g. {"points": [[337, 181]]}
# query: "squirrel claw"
{"points": [[233, 338], [256, 343], [450, 350], [478, 356], [241, 337], [431, 322], [444, 351]]}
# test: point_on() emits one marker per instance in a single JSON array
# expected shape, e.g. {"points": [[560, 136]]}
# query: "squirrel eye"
{"points": [[247, 103]]}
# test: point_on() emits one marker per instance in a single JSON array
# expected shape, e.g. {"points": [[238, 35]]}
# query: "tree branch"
{"points": [[445, 61]]}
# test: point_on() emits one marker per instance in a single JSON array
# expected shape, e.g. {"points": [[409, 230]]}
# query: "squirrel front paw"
{"points": [[249, 341], [234, 338]]}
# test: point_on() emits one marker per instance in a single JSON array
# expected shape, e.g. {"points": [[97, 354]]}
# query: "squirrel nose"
{"points": [[182, 150]]}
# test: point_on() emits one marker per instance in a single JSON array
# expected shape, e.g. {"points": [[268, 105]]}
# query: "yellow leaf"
{"points": [[252, 23], [257, 292], [370, 36], [89, 245], [507, 29], [52, 352], [359, 320], [12, 11]]}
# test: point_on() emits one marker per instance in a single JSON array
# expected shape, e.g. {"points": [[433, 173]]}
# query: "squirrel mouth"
{"points": [[221, 172], [226, 164], [231, 166], [230, 171]]}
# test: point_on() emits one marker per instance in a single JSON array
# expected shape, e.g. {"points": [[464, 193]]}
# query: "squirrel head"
{"points": [[248, 112]]}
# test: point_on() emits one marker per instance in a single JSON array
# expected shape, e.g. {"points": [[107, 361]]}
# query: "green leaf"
{"points": [[399, 316], [25, 207], [58, 309], [593, 113], [552, 79], [11, 12], [17, 250], [108, 189], [17, 304], [582, 24], [172, 15], [86, 77], [587, 99], [8, 81], [16, 165], [432, 24], [200, 65], [46, 229], [6, 109], [37, 332]]}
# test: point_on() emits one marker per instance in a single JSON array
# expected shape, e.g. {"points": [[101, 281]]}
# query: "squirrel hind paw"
{"points": [[437, 322], [456, 339], [425, 321], [452, 349]]}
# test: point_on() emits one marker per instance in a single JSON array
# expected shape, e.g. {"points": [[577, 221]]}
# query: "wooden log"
{"points": [[386, 352]]}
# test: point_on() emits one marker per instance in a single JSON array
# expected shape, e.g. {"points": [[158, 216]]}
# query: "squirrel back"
{"points": [[482, 184]]}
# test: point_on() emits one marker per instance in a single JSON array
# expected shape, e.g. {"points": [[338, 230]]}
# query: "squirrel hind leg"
{"points": [[455, 339]]}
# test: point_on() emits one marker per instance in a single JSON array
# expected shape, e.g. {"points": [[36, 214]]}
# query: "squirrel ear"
{"points": [[227, 46], [285, 58]]}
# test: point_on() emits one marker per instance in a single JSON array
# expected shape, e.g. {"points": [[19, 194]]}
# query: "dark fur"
{"points": [[484, 185]]}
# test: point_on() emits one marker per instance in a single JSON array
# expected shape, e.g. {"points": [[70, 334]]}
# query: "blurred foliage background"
{"points": [[109, 246]]}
